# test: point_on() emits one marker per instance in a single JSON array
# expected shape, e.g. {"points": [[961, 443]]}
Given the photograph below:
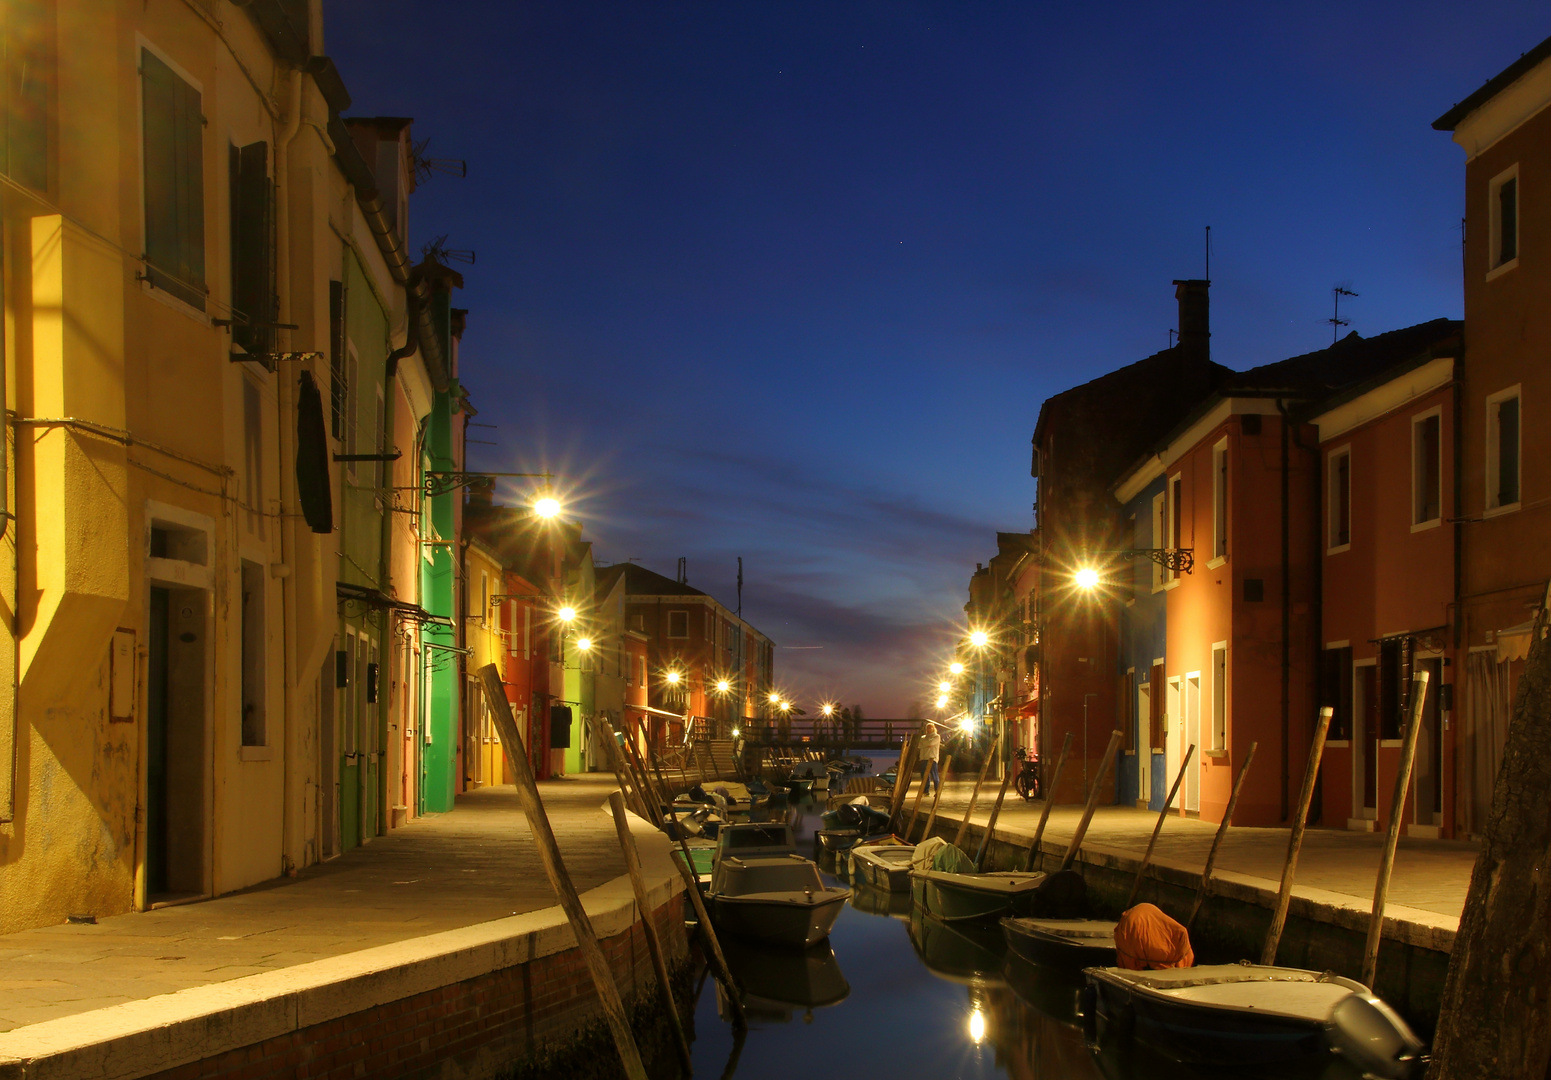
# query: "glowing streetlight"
{"points": [[723, 686], [734, 733], [775, 699], [828, 710], [584, 643], [567, 614], [979, 639], [967, 725], [956, 668], [1086, 578], [944, 686], [942, 701], [786, 706], [546, 506], [977, 1025], [672, 677]]}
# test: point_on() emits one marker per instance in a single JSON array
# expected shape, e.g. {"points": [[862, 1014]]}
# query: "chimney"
{"points": [[1195, 328]]}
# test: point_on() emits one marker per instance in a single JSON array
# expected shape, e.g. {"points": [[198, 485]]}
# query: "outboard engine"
{"points": [[1373, 1037]]}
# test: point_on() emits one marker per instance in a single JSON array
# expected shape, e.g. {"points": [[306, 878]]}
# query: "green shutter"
{"points": [[174, 182], [27, 69], [252, 275]]}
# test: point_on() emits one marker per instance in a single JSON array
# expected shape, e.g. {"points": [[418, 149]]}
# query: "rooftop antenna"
{"points": [[1208, 254], [438, 250], [425, 167], [740, 586], [1336, 321]]}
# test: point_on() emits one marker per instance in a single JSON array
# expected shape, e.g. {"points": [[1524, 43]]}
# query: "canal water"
{"points": [[895, 994]]}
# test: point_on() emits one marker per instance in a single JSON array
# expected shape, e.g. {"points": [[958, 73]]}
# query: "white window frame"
{"points": [[1160, 519], [1436, 412], [1494, 509], [1333, 492], [669, 633], [1172, 522], [1496, 268], [1219, 504], [1219, 734]]}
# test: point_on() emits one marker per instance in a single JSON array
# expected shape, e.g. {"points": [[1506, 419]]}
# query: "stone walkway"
{"points": [[1430, 875], [443, 872]]}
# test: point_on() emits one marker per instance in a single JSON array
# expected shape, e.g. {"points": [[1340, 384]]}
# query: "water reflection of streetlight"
{"points": [[977, 1025]]}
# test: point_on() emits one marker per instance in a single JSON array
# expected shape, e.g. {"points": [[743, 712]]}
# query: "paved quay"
{"points": [[474, 865], [1429, 876]]}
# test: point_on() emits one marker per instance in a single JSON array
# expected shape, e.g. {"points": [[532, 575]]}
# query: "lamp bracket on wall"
{"points": [[441, 482], [1176, 560]]}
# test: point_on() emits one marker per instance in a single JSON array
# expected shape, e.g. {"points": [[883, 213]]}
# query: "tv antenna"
{"points": [[439, 251], [1336, 321], [425, 167]]}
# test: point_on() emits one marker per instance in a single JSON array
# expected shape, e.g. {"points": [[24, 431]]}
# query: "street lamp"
{"points": [[673, 678], [956, 668], [546, 506], [567, 614], [944, 686], [942, 701], [584, 644], [722, 686], [1086, 578], [979, 638]]}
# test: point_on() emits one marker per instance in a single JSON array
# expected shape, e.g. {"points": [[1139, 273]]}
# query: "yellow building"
{"points": [[175, 210], [483, 756]]}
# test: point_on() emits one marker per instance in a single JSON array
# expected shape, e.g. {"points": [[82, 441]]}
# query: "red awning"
{"points": [[1028, 709]]}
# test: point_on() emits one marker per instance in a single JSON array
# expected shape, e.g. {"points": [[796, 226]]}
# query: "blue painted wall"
{"points": [[1143, 637]]}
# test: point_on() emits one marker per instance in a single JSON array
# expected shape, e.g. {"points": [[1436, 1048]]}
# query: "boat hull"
{"points": [[777, 918], [954, 897], [1051, 950], [838, 839]]}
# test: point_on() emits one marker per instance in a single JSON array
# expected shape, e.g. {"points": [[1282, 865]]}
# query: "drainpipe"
{"points": [[1286, 606], [1317, 603], [287, 402]]}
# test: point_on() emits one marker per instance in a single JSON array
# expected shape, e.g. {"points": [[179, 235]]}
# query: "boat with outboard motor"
{"points": [[1246, 1015], [762, 889], [944, 881], [883, 864]]}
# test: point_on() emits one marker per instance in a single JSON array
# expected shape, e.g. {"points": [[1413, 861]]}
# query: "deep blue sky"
{"points": [[790, 280]]}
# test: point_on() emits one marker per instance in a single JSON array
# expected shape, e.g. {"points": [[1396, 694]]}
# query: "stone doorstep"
{"points": [[1406, 925], [163, 1032]]}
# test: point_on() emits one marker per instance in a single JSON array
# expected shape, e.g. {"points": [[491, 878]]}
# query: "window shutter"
{"points": [[27, 70], [252, 249], [174, 182], [337, 388]]}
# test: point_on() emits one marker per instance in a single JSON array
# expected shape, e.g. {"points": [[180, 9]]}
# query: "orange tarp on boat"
{"points": [[1147, 938]]}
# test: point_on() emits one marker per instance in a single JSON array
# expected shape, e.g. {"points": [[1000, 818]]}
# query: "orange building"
{"points": [[1386, 452], [1504, 497]]}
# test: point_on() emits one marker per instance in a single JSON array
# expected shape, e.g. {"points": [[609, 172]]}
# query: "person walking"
{"points": [[931, 746]]}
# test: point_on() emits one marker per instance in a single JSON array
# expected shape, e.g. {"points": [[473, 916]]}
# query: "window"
{"points": [[678, 624], [26, 74], [1335, 691], [710, 627], [253, 291], [1176, 518], [1426, 468], [174, 182], [1159, 518], [253, 718], [1340, 489], [253, 457], [1504, 215], [339, 391], [1502, 450], [1155, 701], [1392, 687], [1220, 500], [1220, 696]]}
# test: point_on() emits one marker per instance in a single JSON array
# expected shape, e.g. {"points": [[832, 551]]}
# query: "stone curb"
{"points": [[137, 1038]]}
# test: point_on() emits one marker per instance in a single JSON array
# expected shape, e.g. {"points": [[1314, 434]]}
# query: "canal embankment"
{"points": [[1331, 901], [435, 951]]}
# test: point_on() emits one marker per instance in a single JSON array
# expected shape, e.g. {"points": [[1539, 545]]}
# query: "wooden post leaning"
{"points": [[936, 797], [649, 928], [559, 878], [996, 811], [1222, 830], [974, 796], [915, 807], [1093, 800], [902, 778], [1050, 798], [1295, 838], [1141, 871], [717, 962], [1397, 814]]}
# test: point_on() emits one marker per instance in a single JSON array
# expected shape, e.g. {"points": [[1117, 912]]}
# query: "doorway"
{"points": [[1172, 730], [1144, 742], [1193, 738], [1365, 740], [176, 782], [1429, 748]]}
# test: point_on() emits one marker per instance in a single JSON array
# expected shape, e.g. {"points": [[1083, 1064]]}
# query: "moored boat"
{"points": [[944, 882], [1062, 943], [1247, 1015], [838, 840], [762, 889], [884, 866]]}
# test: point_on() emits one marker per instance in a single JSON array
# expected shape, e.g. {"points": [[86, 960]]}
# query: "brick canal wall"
{"points": [[1325, 931], [508, 998]]}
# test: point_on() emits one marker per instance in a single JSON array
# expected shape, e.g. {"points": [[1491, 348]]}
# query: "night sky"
{"points": [[790, 281]]}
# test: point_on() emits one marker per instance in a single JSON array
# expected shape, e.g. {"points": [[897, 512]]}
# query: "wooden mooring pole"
{"points": [[974, 796], [1295, 838], [996, 812], [559, 878], [902, 778], [1093, 800], [936, 797], [1222, 830], [1050, 798], [1141, 871], [915, 806], [1397, 814], [649, 928]]}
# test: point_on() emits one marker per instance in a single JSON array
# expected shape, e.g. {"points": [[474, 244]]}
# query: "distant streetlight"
{"points": [[979, 639], [584, 644], [723, 686], [775, 699], [567, 614], [1086, 578], [956, 668], [672, 677], [828, 710], [547, 506], [944, 686]]}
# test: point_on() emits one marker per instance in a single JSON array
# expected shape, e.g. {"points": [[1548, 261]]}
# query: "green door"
{"points": [[349, 745], [156, 747]]}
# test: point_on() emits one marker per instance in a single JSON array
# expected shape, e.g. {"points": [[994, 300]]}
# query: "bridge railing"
{"points": [[829, 734]]}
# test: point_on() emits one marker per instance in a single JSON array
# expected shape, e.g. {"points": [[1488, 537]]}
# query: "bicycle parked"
{"points": [[1027, 780]]}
